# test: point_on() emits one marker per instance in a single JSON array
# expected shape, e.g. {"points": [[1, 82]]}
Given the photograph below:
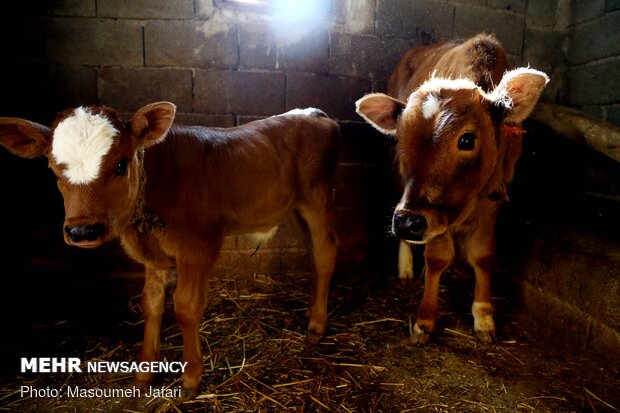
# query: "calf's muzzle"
{"points": [[409, 226], [88, 233]]}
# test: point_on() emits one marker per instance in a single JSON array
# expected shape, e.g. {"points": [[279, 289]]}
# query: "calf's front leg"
{"points": [[438, 255], [153, 296], [480, 254], [193, 268]]}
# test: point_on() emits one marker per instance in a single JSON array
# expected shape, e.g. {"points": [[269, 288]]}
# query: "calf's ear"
{"points": [[151, 123], [381, 111], [24, 138], [518, 93]]}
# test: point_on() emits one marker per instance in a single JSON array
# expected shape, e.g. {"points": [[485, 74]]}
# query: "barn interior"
{"points": [[228, 62]]}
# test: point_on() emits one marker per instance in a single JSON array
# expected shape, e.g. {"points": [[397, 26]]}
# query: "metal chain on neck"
{"points": [[144, 222]]}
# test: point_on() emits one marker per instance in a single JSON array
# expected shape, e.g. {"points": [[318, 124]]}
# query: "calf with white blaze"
{"points": [[455, 112], [172, 193]]}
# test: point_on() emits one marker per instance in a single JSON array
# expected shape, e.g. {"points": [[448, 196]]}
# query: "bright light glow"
{"points": [[249, 2], [292, 18], [300, 11]]}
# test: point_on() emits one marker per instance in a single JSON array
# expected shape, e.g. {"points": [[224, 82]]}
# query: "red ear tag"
{"points": [[513, 131]]}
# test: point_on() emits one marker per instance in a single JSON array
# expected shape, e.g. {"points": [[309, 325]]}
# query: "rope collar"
{"points": [[145, 222]]}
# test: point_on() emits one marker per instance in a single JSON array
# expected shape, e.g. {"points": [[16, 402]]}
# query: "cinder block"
{"points": [[571, 278], [350, 180], [472, 2], [242, 119], [365, 56], [546, 310], [352, 262], [230, 243], [266, 262], [73, 85], [285, 237], [220, 121], [205, 8], [355, 16], [613, 114], [146, 9], [336, 96], [420, 20], [257, 47], [360, 142], [595, 39], [593, 110], [94, 42], [507, 27], [308, 53], [73, 8], [556, 88], [351, 225], [541, 14], [130, 89], [296, 261], [261, 48], [582, 11], [379, 85], [593, 84], [544, 48], [604, 345], [190, 43], [611, 5], [251, 93], [515, 6], [233, 262]]}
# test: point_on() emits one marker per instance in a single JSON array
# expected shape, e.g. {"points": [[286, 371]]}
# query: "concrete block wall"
{"points": [[594, 59], [223, 65], [558, 245]]}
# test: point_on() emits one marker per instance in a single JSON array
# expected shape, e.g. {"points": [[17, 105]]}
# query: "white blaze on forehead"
{"points": [[431, 106], [80, 142], [305, 112]]}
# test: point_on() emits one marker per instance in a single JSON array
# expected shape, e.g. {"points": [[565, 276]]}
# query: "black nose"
{"points": [[410, 227], [85, 233]]}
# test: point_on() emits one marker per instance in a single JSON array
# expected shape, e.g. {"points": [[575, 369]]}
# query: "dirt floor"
{"points": [[256, 358]]}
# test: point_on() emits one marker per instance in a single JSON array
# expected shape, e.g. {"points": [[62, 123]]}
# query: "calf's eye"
{"points": [[467, 142], [121, 168]]}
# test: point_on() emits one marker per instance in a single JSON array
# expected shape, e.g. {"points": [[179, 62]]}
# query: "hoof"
{"points": [[406, 283], [419, 336], [313, 338], [486, 337], [484, 326]]}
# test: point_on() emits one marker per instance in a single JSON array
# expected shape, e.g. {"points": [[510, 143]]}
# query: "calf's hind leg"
{"points": [[320, 223], [405, 263]]}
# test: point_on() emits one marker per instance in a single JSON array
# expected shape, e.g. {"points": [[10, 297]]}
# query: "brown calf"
{"points": [[455, 114], [172, 194]]}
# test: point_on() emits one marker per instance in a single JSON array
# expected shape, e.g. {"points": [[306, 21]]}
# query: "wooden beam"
{"points": [[580, 127]]}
